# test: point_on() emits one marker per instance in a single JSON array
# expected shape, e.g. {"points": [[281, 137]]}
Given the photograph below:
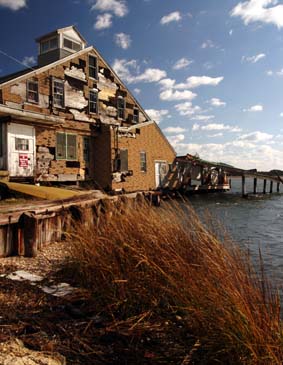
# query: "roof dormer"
{"points": [[59, 44]]}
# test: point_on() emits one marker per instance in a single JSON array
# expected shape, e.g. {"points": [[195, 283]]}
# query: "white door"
{"points": [[21, 150], [160, 172]]}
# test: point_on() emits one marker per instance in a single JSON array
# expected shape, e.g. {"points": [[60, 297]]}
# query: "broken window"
{"points": [[143, 161], [66, 146], [93, 101], [136, 115], [49, 45], [32, 91], [121, 107], [92, 66], [86, 148], [58, 93], [21, 144], [74, 46]]}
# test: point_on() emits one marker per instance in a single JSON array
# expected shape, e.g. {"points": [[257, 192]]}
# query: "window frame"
{"points": [[143, 161], [19, 143], [49, 47], [72, 42], [59, 81], [35, 82], [90, 102], [86, 149], [119, 109], [136, 117], [66, 146], [91, 67]]}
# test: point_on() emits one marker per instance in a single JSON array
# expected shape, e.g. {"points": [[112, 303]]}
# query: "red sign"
{"points": [[23, 161]]}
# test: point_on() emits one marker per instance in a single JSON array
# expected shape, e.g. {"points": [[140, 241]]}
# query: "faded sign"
{"points": [[23, 161]]}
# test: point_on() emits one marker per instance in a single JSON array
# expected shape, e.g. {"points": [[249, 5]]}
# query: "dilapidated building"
{"points": [[71, 118]]}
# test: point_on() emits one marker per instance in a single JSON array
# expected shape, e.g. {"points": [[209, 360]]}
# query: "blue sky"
{"points": [[210, 72]]}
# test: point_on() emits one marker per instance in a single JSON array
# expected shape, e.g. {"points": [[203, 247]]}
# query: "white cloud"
{"points": [[167, 84], [157, 115], [253, 59], [216, 102], [215, 135], [281, 115], [259, 11], [129, 72], [256, 137], [203, 118], [187, 109], [176, 139], [182, 63], [118, 7], [174, 130], [208, 44], [254, 108], [137, 91], [175, 16], [196, 81], [218, 127], [29, 61], [275, 73], [171, 95], [230, 31], [123, 40], [103, 21], [13, 4]]}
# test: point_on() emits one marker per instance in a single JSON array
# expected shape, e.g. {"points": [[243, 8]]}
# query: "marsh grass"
{"points": [[161, 271]]}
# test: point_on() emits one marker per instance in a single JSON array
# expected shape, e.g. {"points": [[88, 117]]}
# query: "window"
{"points": [[66, 146], [74, 46], [92, 67], [86, 150], [21, 144], [58, 93], [121, 107], [32, 91], [136, 115], [93, 101], [143, 161], [49, 45]]}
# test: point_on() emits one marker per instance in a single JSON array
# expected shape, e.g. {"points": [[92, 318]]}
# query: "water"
{"points": [[252, 223]]}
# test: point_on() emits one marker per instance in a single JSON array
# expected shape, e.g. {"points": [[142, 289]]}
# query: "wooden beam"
{"points": [[255, 185], [264, 186], [278, 187], [271, 187], [243, 185]]}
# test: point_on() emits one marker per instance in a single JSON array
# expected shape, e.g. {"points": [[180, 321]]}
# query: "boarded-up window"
{"points": [[66, 146], [92, 67], [143, 161], [123, 160]]}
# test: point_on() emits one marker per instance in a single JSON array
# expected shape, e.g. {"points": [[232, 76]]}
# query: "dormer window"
{"points": [[32, 91], [49, 45], [93, 101], [92, 67], [71, 45]]}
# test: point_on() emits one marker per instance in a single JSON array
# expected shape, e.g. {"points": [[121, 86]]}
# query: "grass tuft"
{"points": [[161, 274]]}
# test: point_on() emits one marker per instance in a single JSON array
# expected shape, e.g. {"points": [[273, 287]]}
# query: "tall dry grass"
{"points": [[145, 264]]}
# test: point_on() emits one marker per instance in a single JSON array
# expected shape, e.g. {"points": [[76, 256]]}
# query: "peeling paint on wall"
{"points": [[43, 101], [76, 73], [74, 98], [107, 87], [20, 89], [81, 116]]}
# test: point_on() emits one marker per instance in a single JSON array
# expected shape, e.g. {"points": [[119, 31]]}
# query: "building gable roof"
{"points": [[61, 30]]}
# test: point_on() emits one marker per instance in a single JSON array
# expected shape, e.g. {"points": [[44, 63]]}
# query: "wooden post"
{"points": [[230, 183], [255, 185], [278, 187], [243, 185], [264, 186], [271, 187]]}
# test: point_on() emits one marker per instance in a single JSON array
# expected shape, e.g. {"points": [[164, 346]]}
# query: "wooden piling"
{"points": [[271, 187], [264, 186], [278, 187], [244, 185], [255, 185]]}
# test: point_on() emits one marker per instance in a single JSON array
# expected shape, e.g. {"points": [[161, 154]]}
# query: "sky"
{"points": [[209, 72]]}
